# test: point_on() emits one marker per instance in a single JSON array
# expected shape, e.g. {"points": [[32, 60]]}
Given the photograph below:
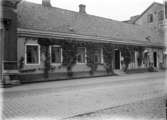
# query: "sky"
{"points": [[113, 9]]}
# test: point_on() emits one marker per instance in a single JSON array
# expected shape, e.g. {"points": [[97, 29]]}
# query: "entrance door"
{"points": [[117, 59], [155, 59]]}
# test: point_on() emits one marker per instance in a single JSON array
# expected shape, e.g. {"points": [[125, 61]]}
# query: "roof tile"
{"points": [[37, 17]]}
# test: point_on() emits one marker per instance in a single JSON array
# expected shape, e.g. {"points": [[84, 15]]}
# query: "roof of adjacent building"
{"points": [[52, 19]]}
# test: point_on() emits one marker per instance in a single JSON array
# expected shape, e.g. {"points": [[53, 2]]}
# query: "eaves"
{"points": [[87, 38]]}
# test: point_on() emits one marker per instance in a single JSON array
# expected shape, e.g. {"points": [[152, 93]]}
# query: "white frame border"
{"points": [[119, 59], [61, 50], [102, 56], [25, 54], [85, 56]]}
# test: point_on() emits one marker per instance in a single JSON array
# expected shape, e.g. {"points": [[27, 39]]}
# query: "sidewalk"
{"points": [[82, 81]]}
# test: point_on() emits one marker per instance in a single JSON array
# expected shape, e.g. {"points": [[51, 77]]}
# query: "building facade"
{"points": [[154, 18], [49, 43]]}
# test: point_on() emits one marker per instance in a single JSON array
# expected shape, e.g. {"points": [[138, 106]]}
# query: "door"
{"points": [[117, 59], [155, 59]]}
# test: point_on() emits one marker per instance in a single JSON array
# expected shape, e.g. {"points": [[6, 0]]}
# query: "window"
{"points": [[81, 55], [98, 56], [32, 54], [161, 15], [56, 54], [150, 18]]}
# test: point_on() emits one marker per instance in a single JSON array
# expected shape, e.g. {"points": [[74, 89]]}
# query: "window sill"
{"points": [[56, 64], [32, 64], [81, 63]]}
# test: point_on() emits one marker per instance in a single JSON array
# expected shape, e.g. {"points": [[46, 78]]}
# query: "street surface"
{"points": [[64, 99], [150, 109]]}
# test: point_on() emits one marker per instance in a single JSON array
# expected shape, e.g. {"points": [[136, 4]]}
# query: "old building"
{"points": [[154, 18], [50, 43]]}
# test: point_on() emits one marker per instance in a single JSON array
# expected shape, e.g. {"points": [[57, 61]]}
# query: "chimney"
{"points": [[46, 3], [82, 8]]}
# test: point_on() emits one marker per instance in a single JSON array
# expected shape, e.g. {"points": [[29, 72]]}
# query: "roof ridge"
{"points": [[51, 7]]}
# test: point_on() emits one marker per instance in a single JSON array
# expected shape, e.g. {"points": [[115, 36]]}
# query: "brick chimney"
{"points": [[46, 3], [82, 8]]}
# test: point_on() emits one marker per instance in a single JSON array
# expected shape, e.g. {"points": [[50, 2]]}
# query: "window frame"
{"points": [[85, 57], [32, 44], [101, 56], [161, 15], [150, 18], [61, 52]]}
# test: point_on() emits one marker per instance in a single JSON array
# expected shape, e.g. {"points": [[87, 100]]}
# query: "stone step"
{"points": [[119, 72]]}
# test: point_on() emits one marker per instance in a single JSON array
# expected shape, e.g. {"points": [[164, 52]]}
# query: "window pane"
{"points": [[97, 56], [32, 54], [55, 54], [150, 18], [81, 55], [161, 15]]}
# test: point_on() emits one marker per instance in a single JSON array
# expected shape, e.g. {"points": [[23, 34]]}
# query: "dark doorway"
{"points": [[155, 59], [117, 59]]}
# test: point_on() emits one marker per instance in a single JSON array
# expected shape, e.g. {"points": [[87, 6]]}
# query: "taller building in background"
{"points": [[165, 20], [165, 2], [152, 17]]}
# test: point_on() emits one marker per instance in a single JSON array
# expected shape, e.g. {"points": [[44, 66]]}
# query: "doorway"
{"points": [[155, 59], [117, 59]]}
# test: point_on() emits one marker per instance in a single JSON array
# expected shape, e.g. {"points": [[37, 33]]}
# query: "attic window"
{"points": [[161, 15], [150, 18]]}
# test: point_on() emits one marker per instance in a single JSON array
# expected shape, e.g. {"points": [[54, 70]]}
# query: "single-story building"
{"points": [[42, 42]]}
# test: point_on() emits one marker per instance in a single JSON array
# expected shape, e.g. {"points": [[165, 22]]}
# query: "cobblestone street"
{"points": [[151, 109], [64, 99]]}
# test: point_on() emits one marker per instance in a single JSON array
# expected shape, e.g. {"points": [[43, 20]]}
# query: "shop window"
{"points": [[81, 55], [150, 18], [32, 54], [98, 56], [56, 54]]}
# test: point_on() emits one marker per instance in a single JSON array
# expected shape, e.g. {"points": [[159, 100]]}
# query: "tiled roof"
{"points": [[37, 17]]}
